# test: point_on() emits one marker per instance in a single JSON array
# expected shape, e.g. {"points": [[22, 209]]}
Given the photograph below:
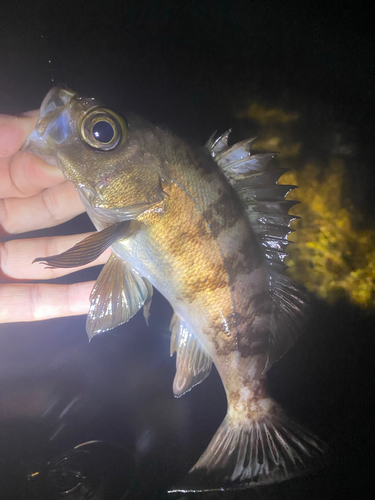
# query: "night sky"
{"points": [[190, 66]]}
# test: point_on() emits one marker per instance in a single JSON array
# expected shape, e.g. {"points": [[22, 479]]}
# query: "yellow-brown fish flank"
{"points": [[245, 260], [223, 214], [189, 245], [199, 263]]}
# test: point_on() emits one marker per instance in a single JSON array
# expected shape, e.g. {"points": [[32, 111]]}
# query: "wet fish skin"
{"points": [[197, 238]]}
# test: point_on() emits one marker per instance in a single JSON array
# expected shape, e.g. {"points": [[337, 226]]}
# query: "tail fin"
{"points": [[259, 451]]}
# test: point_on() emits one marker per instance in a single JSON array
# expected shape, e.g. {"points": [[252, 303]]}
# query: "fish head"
{"points": [[113, 162]]}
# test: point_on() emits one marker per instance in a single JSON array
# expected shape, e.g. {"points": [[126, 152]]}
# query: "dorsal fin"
{"points": [[267, 210], [193, 364]]}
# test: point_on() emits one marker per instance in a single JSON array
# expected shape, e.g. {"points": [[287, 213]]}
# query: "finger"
{"points": [[23, 175], [33, 302], [52, 206], [16, 257], [14, 130]]}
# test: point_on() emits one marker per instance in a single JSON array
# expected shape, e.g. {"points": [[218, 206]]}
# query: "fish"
{"points": [[208, 228]]}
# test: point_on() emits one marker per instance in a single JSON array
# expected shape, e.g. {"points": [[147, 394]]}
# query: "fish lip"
{"points": [[53, 125], [52, 107], [56, 98]]}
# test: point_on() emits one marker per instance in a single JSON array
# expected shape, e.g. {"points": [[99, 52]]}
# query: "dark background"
{"points": [[189, 65]]}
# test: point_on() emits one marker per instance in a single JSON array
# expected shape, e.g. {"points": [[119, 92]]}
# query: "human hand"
{"points": [[34, 195]]}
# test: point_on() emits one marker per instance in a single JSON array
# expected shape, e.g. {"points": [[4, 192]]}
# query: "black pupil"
{"points": [[103, 131]]}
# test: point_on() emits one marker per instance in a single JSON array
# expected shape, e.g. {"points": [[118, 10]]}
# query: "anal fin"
{"points": [[147, 304], [193, 364]]}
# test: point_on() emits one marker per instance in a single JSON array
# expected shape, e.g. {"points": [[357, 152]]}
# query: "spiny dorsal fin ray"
{"points": [[234, 154], [215, 146], [267, 210], [260, 179], [275, 244], [193, 364], [278, 231], [276, 219], [257, 194], [272, 208], [246, 166]]}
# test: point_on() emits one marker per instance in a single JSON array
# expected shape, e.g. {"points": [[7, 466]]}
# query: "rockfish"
{"points": [[208, 228]]}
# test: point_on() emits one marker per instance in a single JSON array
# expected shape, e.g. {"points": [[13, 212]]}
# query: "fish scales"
{"points": [[211, 269], [199, 225]]}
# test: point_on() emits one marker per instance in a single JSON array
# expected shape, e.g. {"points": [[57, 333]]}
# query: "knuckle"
{"points": [[50, 202], [35, 302], [4, 214], [4, 257]]}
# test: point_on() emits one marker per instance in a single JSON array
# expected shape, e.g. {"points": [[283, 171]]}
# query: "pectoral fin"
{"points": [[118, 294], [90, 248], [193, 364]]}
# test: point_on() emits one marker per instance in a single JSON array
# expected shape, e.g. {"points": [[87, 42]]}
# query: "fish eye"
{"points": [[103, 129]]}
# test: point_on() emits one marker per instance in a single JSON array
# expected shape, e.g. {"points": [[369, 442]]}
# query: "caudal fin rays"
{"points": [[255, 452]]}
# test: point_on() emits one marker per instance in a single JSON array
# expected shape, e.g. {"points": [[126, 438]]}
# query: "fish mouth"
{"points": [[53, 105], [58, 117], [53, 126], [56, 98]]}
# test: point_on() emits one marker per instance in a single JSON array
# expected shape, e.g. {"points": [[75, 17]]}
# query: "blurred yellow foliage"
{"points": [[265, 115], [275, 134], [330, 256]]}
